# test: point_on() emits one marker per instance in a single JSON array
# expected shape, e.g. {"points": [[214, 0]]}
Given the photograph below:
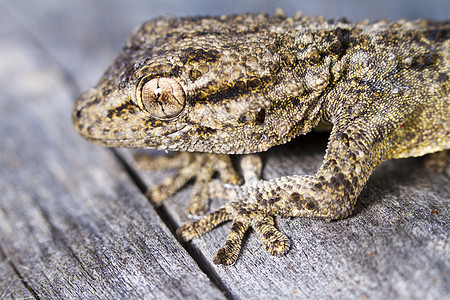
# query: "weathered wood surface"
{"points": [[74, 223]]}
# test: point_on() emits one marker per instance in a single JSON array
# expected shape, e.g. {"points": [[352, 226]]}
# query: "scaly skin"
{"points": [[242, 84]]}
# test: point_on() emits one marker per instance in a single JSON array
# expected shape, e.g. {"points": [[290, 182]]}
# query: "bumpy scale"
{"points": [[242, 84]]}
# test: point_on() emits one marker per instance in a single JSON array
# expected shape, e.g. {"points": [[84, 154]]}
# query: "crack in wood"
{"points": [[17, 273], [202, 262]]}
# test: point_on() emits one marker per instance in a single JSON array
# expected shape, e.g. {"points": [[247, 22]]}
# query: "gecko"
{"points": [[210, 87]]}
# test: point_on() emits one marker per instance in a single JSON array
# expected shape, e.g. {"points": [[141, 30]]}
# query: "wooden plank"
{"points": [[396, 245], [72, 223]]}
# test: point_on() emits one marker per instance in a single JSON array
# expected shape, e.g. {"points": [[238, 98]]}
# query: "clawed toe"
{"points": [[229, 252], [190, 230], [275, 242], [201, 166]]}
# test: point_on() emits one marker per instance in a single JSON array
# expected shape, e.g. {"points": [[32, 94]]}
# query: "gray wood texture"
{"points": [[75, 224]]}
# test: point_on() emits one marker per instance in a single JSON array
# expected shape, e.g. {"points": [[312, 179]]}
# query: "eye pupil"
{"points": [[163, 98], [157, 92]]}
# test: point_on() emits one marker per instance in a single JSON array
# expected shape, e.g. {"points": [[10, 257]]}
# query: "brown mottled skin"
{"points": [[242, 84]]}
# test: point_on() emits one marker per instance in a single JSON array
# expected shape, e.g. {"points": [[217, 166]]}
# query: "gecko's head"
{"points": [[201, 85]]}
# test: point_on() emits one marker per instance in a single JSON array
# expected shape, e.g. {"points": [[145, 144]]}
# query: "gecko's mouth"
{"points": [[120, 122], [95, 126], [127, 142]]}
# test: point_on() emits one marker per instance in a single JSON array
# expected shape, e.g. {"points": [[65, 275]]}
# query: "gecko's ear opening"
{"points": [[163, 98], [260, 116]]}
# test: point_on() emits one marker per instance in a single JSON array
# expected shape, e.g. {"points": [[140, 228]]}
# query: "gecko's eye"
{"points": [[163, 97]]}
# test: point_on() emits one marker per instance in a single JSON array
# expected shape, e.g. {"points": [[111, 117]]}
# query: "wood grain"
{"points": [[74, 223]]}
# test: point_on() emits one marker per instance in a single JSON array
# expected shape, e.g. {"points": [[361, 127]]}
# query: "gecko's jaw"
{"points": [[122, 124], [100, 125]]}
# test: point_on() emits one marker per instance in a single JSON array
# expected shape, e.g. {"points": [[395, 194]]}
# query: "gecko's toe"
{"points": [[192, 229], [229, 252], [228, 173], [157, 194], [275, 242], [188, 165]]}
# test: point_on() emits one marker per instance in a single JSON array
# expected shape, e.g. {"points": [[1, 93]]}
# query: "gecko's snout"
{"points": [[80, 115]]}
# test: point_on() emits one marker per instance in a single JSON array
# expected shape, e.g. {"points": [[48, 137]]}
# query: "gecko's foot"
{"points": [[275, 242], [201, 166]]}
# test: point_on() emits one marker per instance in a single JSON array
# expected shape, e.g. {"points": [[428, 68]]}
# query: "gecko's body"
{"points": [[242, 84]]}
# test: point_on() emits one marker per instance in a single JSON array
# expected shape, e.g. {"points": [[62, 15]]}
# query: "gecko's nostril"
{"points": [[78, 113]]}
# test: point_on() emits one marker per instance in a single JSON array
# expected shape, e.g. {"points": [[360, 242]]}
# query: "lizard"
{"points": [[210, 87]]}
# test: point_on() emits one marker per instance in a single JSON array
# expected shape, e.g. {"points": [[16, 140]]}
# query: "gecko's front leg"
{"points": [[330, 194], [198, 166]]}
